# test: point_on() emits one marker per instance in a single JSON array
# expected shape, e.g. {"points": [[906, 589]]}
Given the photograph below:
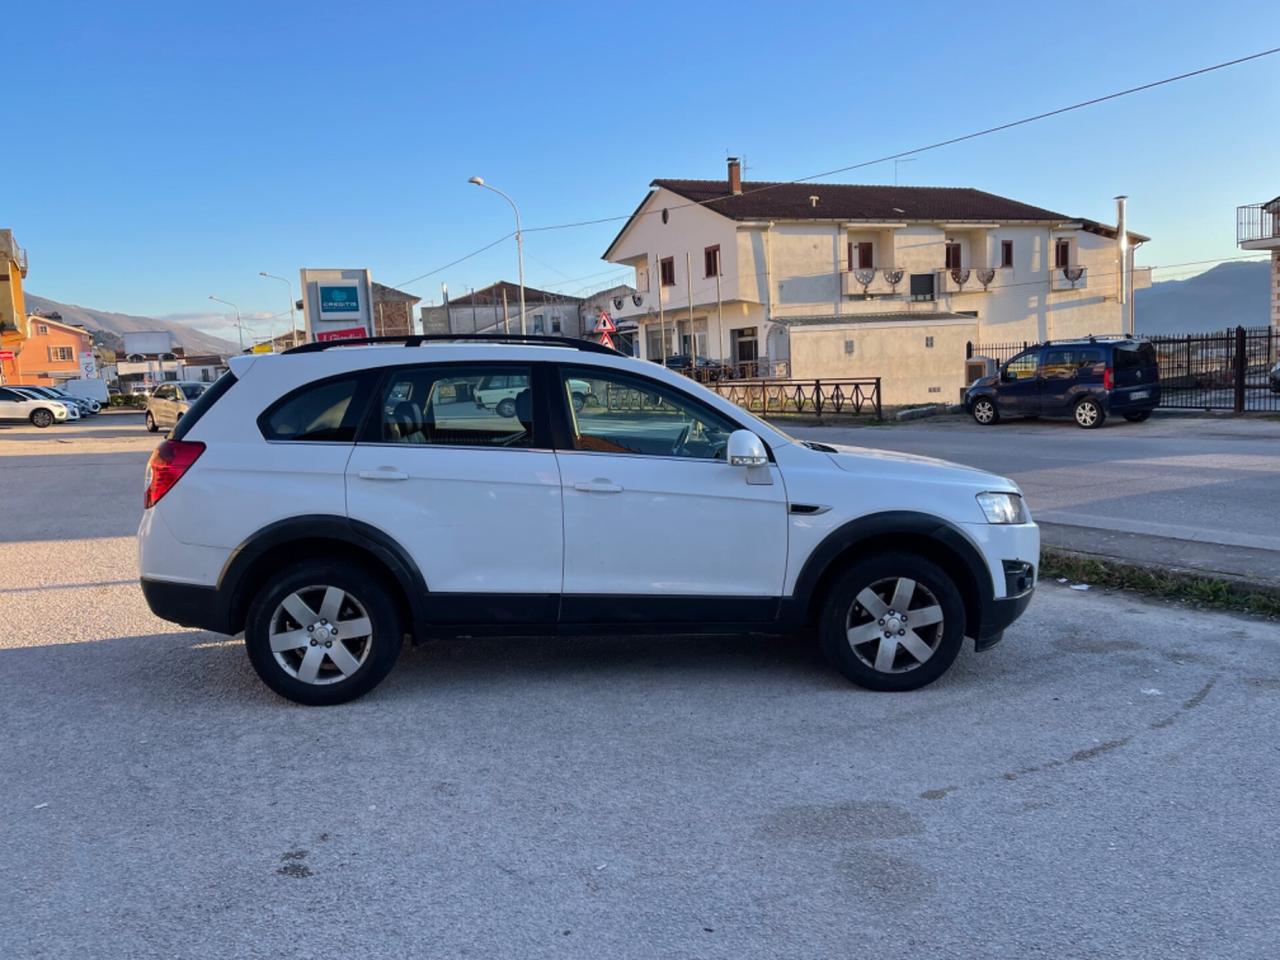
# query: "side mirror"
{"points": [[747, 450]]}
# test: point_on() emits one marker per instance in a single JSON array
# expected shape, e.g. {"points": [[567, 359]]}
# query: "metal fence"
{"points": [[819, 398], [1223, 370]]}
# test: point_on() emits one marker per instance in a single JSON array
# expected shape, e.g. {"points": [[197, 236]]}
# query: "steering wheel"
{"points": [[678, 449]]}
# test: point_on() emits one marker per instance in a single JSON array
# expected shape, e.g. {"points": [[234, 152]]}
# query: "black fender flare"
{"points": [[902, 522], [384, 547]]}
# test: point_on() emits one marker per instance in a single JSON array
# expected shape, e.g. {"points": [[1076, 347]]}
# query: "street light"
{"points": [[293, 322], [239, 325], [479, 182]]}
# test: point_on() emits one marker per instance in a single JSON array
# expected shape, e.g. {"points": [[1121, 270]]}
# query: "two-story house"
{"points": [[838, 280], [51, 354], [1258, 228]]}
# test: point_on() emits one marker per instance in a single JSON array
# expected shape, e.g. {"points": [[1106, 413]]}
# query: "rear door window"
{"points": [[1058, 364], [455, 405], [1135, 357]]}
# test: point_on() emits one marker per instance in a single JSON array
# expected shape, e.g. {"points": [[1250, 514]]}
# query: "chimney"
{"points": [[735, 176], [1122, 258]]}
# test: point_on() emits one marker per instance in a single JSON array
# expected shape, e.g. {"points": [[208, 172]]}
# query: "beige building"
{"points": [[1258, 228], [807, 280]]}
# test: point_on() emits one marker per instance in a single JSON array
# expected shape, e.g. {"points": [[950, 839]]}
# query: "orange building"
{"points": [[49, 355]]}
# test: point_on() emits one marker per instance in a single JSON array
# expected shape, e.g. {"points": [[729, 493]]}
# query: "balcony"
{"points": [[953, 280], [1258, 225], [10, 250], [1068, 278], [873, 282]]}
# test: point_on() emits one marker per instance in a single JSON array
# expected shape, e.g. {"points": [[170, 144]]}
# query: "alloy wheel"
{"points": [[1086, 413], [894, 625], [984, 411], [320, 634]]}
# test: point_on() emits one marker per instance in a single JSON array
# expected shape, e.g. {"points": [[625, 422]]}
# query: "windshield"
{"points": [[192, 390]]}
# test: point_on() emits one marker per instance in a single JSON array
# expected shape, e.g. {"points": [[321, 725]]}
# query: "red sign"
{"points": [[347, 333], [6, 354], [605, 324], [606, 340]]}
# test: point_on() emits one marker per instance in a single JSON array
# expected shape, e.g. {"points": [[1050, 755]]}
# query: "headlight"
{"points": [[1002, 507]]}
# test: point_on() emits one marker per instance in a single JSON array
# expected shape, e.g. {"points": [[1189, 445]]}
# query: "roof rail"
{"points": [[419, 339]]}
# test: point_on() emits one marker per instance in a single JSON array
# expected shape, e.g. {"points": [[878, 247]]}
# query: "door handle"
{"points": [[598, 485], [384, 473]]}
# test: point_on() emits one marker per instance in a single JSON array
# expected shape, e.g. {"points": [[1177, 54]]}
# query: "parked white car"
{"points": [[84, 405], [331, 499], [499, 391], [73, 409], [40, 411]]}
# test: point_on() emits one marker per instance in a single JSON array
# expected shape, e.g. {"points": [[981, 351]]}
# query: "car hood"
{"points": [[888, 464]]}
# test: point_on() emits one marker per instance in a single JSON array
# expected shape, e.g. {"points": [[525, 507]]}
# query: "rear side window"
{"points": [[202, 403], [324, 412], [456, 405]]}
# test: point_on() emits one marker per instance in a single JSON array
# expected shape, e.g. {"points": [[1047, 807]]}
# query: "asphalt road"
{"points": [[1208, 479], [1102, 784]]}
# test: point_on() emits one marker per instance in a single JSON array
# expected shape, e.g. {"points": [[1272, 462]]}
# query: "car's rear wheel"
{"points": [[41, 418], [151, 423], [985, 412], [579, 401], [1138, 417], [1089, 414], [507, 408], [323, 632], [893, 622]]}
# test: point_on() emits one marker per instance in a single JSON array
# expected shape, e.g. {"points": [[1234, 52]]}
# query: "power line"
{"points": [[454, 263], [939, 144]]}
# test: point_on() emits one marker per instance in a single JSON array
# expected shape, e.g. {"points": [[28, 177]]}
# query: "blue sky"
{"points": [[168, 151]]}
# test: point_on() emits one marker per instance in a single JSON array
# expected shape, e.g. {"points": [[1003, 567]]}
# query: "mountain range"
{"points": [[1229, 295], [108, 328]]}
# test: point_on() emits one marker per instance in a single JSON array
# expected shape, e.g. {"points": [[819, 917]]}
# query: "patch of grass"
{"points": [[1194, 589]]}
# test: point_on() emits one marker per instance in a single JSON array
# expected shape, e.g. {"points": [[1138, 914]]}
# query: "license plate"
{"points": [[1139, 394]]}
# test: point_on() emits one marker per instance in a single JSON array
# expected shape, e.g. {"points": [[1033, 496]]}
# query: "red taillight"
{"points": [[168, 463], [1108, 378]]}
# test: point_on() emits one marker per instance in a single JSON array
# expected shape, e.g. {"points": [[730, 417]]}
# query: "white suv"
{"points": [[330, 500]]}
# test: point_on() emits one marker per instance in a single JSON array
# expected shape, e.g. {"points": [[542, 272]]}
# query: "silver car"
{"points": [[169, 401]]}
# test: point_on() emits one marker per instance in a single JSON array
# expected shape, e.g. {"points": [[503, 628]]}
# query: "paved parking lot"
{"points": [[1102, 784]]}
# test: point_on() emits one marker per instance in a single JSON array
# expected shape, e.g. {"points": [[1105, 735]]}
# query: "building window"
{"points": [[555, 324], [61, 353], [642, 278], [537, 323], [848, 348], [953, 254], [860, 256], [1062, 253], [928, 341], [667, 271], [1006, 253], [922, 286], [711, 261], [42, 329]]}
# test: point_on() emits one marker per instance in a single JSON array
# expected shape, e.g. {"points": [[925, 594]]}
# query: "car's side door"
{"points": [[1058, 377], [1019, 391], [657, 524], [161, 404], [471, 494]]}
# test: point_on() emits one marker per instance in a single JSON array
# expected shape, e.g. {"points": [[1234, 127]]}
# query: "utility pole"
{"points": [[662, 317], [719, 316], [506, 325], [693, 340]]}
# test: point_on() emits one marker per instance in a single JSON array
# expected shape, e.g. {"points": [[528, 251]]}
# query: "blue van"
{"points": [[1088, 380]]}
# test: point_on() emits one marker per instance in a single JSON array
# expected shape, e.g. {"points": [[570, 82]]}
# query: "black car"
{"points": [[1087, 379]]}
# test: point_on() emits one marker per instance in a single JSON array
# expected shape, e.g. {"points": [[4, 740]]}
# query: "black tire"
{"points": [[1138, 417], [150, 422], [842, 607], [1088, 414], [41, 418], [506, 407], [579, 401], [985, 411], [368, 591]]}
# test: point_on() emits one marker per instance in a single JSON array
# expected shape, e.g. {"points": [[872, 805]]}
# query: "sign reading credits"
{"points": [[339, 299]]}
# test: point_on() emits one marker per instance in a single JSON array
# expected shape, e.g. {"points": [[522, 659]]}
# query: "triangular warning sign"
{"points": [[606, 340], [605, 323]]}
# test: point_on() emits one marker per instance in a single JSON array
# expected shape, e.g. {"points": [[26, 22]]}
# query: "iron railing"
{"points": [[818, 398], [1258, 221]]}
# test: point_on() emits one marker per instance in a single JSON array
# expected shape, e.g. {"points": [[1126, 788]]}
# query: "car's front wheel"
{"points": [[579, 401], [1089, 414], [323, 632], [150, 421], [41, 418], [985, 412], [893, 622]]}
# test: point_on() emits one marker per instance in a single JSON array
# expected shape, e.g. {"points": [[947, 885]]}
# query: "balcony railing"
{"points": [[1068, 278], [966, 279], [872, 281], [1258, 222], [9, 249]]}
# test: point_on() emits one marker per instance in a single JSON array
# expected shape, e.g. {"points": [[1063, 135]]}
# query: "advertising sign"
{"points": [[350, 333], [88, 366], [339, 300]]}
